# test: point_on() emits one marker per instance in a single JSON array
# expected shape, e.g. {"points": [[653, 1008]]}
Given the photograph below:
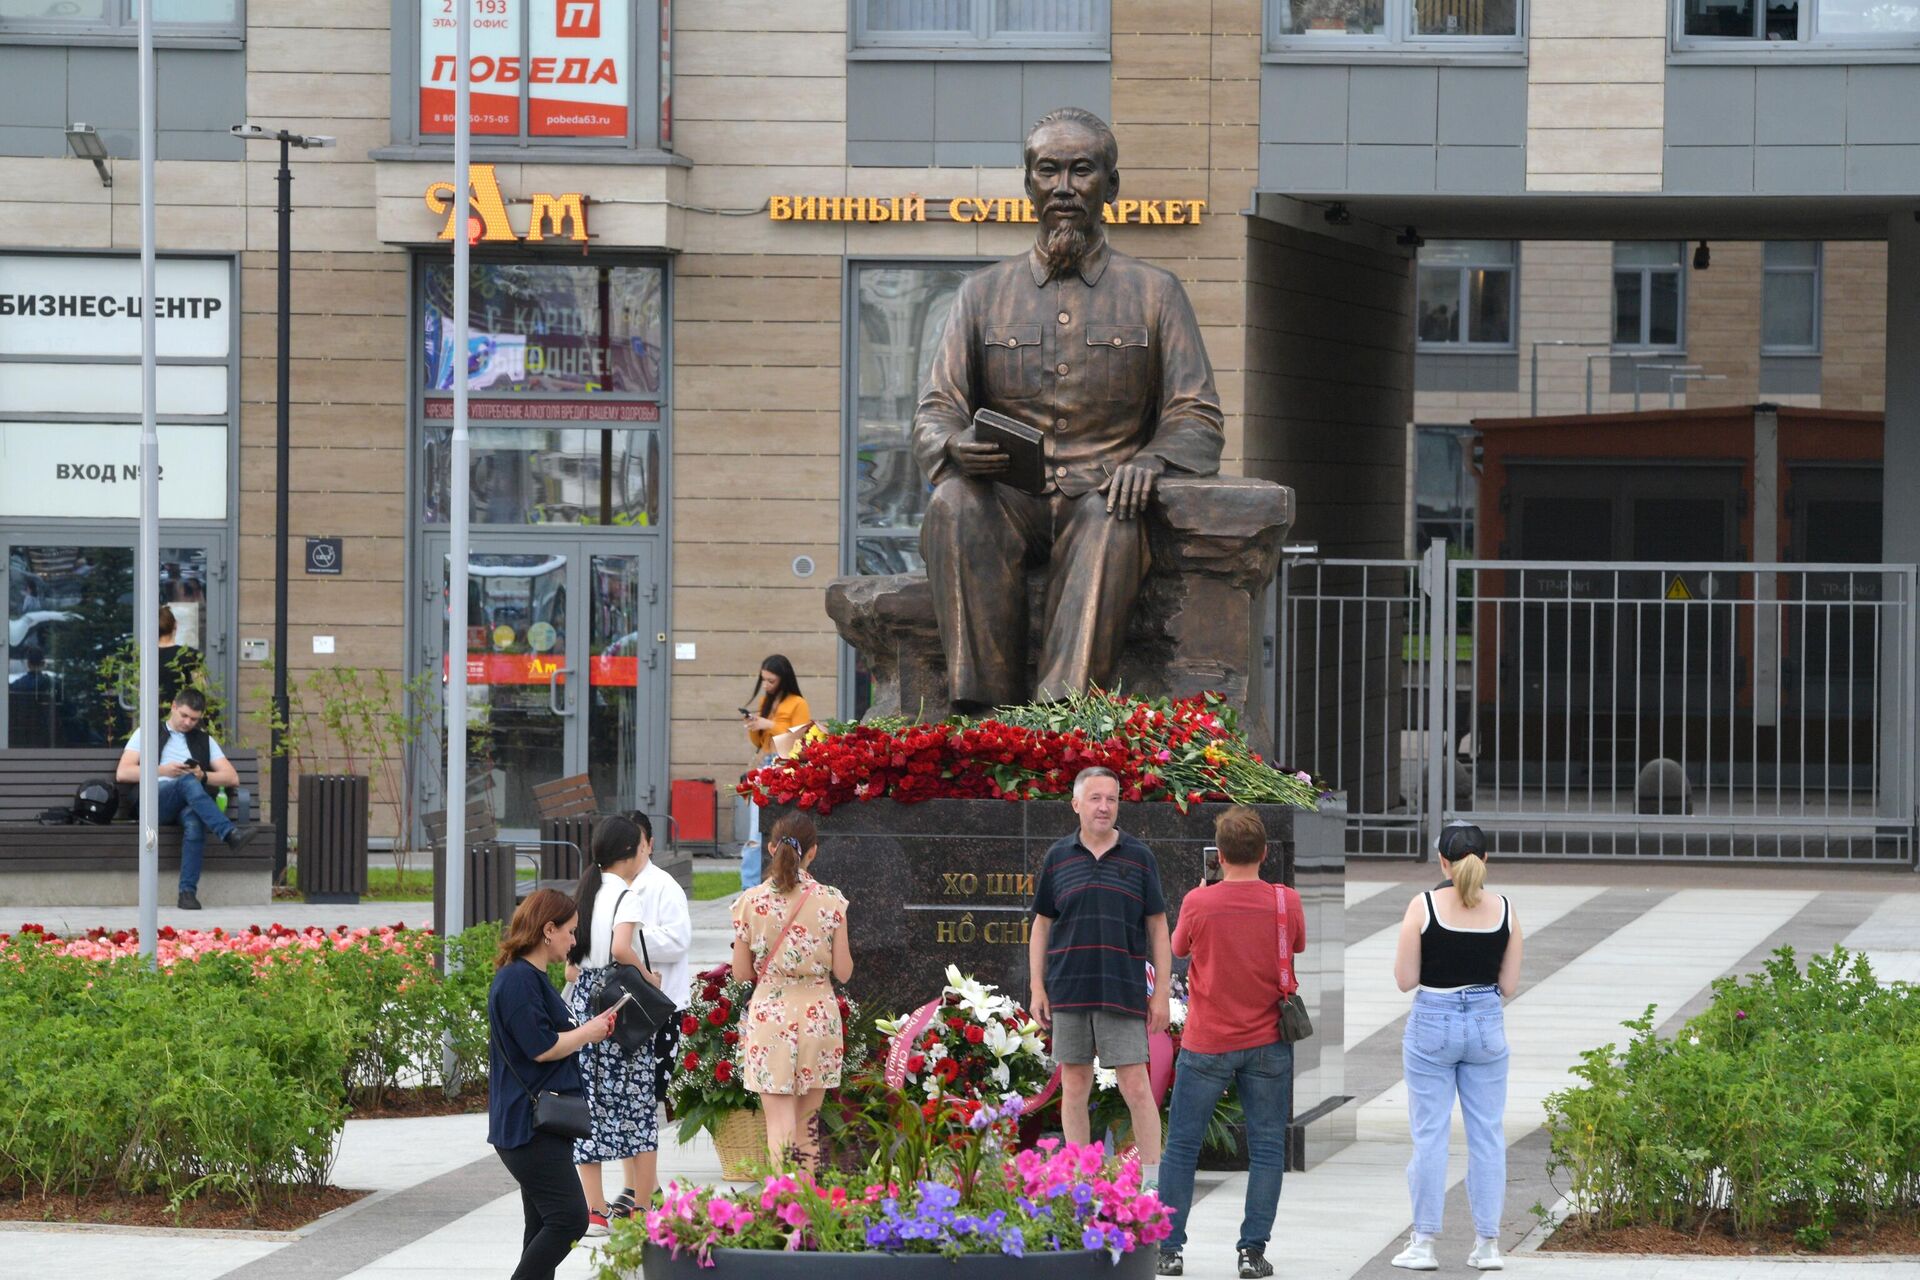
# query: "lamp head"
{"points": [[84, 141]]}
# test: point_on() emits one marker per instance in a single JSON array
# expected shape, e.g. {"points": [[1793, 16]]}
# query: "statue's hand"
{"points": [[974, 458], [1131, 485]]}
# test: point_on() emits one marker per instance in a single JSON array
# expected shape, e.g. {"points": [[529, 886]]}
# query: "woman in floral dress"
{"points": [[790, 940]]}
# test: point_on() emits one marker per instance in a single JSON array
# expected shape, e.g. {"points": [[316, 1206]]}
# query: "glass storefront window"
{"points": [[71, 677], [547, 476], [901, 314], [549, 329]]}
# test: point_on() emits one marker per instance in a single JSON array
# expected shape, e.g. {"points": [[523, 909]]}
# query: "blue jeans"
{"points": [[1457, 1043], [185, 800], [1264, 1077]]}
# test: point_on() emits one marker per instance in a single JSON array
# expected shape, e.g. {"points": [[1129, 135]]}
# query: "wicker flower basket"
{"points": [[741, 1140]]}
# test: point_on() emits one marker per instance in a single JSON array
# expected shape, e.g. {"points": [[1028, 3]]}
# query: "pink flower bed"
{"points": [[265, 944]]}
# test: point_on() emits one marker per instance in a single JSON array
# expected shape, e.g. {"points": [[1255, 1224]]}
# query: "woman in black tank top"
{"points": [[1459, 952]]}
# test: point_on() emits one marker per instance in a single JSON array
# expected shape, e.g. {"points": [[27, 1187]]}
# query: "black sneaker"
{"points": [[239, 837], [621, 1206], [187, 901], [1171, 1264], [1253, 1262]]}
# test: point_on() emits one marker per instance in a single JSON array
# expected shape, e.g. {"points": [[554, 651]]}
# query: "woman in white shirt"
{"points": [[622, 900]]}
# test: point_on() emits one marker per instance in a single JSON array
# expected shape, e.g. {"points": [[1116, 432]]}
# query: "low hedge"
{"points": [[1791, 1103], [230, 1068]]}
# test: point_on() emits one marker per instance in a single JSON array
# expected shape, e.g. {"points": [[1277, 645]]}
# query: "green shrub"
{"points": [[223, 1071], [1792, 1102]]}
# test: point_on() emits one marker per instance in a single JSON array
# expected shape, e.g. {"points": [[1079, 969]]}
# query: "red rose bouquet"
{"points": [[1182, 751]]}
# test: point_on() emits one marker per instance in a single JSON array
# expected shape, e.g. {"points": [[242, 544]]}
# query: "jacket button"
{"points": [[1064, 317], [1116, 342], [1059, 424], [1062, 369]]}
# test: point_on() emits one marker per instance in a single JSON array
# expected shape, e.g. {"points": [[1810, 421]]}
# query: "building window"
{"points": [[981, 24], [566, 383], [1298, 26], [1647, 294], [1790, 298], [1709, 24], [1467, 295], [1445, 486], [899, 312], [545, 71], [119, 20]]}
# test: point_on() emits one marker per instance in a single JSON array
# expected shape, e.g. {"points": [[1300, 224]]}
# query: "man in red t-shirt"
{"points": [[1238, 976]]}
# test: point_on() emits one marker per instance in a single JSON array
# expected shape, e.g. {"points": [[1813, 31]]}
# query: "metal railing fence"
{"points": [[1607, 710]]}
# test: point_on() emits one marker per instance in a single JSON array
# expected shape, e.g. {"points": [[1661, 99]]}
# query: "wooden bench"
{"points": [[86, 865]]}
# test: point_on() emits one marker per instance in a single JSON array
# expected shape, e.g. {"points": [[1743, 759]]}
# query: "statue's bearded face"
{"points": [[1068, 181]]}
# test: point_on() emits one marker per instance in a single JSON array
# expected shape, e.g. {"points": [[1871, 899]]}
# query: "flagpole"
{"points": [[146, 596], [456, 701]]}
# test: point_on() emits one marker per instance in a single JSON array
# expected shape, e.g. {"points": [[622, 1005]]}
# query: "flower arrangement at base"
{"points": [[971, 1042], [707, 1080], [1109, 1110], [945, 1199], [1184, 751]]}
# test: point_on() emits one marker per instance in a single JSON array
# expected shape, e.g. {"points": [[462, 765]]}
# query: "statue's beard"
{"points": [[1065, 246]]}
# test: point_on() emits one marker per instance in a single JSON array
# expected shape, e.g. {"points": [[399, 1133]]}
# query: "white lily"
{"points": [[1001, 1075], [1000, 1042]]}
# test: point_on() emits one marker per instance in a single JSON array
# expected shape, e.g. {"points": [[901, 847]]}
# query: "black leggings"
{"points": [[550, 1195]]}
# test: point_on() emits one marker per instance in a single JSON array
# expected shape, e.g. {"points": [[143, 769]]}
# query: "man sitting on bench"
{"points": [[192, 768]]}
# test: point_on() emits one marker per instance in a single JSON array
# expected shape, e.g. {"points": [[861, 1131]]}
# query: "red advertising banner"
{"points": [[440, 410], [604, 670], [494, 66], [587, 44]]}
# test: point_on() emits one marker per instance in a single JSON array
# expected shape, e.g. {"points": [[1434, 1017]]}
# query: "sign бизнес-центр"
{"points": [[914, 208]]}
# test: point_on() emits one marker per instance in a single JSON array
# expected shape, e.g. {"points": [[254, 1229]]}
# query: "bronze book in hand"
{"points": [[1025, 447]]}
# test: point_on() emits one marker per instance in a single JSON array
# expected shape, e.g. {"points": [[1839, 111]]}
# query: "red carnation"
{"points": [[730, 1036], [691, 1062], [956, 1023], [917, 1063], [717, 1018], [723, 1071], [710, 992], [689, 1025], [975, 1035]]}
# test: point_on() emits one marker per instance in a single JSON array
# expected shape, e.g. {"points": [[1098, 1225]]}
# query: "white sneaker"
{"points": [[1486, 1255], [1417, 1256]]}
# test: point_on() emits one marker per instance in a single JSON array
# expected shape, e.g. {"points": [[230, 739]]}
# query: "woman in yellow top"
{"points": [[781, 709], [781, 706]]}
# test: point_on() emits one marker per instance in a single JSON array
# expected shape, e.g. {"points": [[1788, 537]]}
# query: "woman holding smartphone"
{"points": [[531, 1052], [776, 708], [622, 1087]]}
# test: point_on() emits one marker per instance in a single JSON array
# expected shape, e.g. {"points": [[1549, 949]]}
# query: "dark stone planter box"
{"points": [[333, 837], [772, 1264]]}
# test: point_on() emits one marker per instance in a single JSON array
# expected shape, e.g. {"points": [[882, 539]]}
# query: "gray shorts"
{"points": [[1117, 1039]]}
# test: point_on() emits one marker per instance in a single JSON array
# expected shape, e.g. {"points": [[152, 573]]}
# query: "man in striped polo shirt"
{"points": [[1098, 913]]}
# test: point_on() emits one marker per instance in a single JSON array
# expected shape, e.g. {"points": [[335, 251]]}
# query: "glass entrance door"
{"points": [[72, 677], [561, 651]]}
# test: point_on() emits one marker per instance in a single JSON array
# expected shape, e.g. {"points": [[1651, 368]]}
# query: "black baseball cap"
{"points": [[1461, 839]]}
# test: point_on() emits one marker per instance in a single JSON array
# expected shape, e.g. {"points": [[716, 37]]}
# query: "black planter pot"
{"points": [[333, 837], [770, 1264]]}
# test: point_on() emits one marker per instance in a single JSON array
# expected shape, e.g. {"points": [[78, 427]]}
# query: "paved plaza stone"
{"points": [[1602, 942]]}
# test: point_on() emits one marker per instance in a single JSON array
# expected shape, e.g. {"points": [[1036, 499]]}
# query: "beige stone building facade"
{"points": [[694, 409]]}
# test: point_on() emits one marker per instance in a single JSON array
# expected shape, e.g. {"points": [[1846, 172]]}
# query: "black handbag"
{"points": [[651, 1007], [564, 1115], [1295, 1025]]}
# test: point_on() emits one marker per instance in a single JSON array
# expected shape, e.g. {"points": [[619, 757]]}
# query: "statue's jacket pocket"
{"points": [[1118, 357], [1013, 361]]}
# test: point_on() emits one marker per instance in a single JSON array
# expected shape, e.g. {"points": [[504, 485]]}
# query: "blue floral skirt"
{"points": [[622, 1088]]}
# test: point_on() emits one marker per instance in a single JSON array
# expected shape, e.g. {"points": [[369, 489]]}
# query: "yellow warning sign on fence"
{"points": [[1677, 589]]}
